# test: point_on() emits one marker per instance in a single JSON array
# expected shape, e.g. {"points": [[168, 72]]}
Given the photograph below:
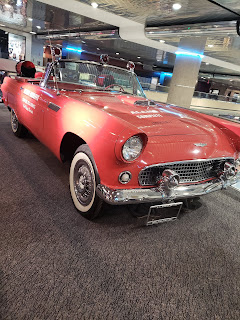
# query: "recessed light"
{"points": [[162, 41], [30, 19], [94, 5], [210, 45], [38, 27], [176, 6], [32, 32], [117, 53], [8, 5]]}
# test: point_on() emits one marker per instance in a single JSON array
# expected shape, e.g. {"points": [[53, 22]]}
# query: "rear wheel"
{"points": [[17, 128], [82, 180]]}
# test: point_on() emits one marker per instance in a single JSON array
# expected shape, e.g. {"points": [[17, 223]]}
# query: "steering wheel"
{"points": [[114, 85]]}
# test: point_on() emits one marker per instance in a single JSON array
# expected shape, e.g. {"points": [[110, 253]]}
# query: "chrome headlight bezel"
{"points": [[132, 148]]}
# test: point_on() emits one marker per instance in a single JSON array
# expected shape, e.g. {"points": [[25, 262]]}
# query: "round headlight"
{"points": [[132, 148]]}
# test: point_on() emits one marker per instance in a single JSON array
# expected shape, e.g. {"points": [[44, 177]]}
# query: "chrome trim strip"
{"points": [[185, 161], [129, 196]]}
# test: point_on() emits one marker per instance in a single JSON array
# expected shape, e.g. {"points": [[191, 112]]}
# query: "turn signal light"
{"points": [[125, 177]]}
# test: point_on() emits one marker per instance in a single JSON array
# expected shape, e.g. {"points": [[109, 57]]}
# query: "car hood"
{"points": [[154, 120]]}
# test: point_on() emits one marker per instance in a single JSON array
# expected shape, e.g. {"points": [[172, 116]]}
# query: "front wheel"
{"points": [[17, 128], [82, 180]]}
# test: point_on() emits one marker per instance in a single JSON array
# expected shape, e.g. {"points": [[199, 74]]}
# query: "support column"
{"points": [[185, 72]]}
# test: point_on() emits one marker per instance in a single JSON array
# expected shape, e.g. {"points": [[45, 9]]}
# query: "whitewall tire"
{"points": [[82, 179], [17, 128]]}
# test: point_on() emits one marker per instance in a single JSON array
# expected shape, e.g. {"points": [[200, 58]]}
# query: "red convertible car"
{"points": [[123, 147]]}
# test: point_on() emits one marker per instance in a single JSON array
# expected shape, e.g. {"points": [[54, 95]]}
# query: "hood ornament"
{"points": [[200, 144]]}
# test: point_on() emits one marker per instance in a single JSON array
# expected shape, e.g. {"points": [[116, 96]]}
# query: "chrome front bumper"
{"points": [[128, 196]]}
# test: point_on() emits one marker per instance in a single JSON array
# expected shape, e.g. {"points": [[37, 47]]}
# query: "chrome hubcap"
{"points": [[83, 183], [14, 122]]}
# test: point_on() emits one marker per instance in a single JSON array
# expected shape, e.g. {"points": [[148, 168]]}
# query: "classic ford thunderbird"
{"points": [[123, 147]]}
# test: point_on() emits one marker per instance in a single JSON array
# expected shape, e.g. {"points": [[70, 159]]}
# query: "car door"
{"points": [[29, 108], [50, 105]]}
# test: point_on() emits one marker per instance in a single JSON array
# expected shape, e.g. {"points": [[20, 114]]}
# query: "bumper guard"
{"points": [[154, 194]]}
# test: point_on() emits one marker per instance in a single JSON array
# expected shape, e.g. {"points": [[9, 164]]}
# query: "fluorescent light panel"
{"points": [[74, 49], [190, 54]]}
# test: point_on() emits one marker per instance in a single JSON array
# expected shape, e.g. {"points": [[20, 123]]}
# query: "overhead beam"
{"points": [[128, 29]]}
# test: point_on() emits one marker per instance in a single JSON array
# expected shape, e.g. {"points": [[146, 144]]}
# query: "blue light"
{"points": [[164, 76], [191, 54], [167, 74], [74, 49]]}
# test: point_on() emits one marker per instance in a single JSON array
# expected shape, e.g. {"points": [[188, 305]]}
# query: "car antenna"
{"points": [[54, 65]]}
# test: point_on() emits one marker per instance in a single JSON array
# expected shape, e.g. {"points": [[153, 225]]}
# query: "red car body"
{"points": [[104, 120]]}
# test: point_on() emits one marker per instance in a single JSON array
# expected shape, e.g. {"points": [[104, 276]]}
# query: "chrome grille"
{"points": [[189, 171]]}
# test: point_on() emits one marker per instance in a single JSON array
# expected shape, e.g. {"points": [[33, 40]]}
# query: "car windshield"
{"points": [[100, 77]]}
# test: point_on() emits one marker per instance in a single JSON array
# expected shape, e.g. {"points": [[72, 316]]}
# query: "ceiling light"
{"points": [[139, 57], [210, 45], [94, 5], [83, 41], [122, 59], [32, 32], [98, 48], [162, 41], [19, 3], [2, 25], [117, 53], [231, 80], [207, 63], [30, 19], [176, 6], [38, 27]]}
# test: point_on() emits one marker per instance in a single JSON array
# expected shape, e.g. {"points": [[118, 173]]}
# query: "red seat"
{"points": [[25, 69]]}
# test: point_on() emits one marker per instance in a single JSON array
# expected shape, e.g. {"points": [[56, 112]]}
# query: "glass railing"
{"points": [[197, 94], [213, 96]]}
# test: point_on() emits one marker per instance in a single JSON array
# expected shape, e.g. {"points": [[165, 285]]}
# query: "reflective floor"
{"points": [[237, 186]]}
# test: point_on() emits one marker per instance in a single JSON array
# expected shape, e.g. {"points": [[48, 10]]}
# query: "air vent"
{"points": [[144, 103]]}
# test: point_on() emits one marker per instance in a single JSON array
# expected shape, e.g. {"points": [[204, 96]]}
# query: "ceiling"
{"points": [[152, 13]]}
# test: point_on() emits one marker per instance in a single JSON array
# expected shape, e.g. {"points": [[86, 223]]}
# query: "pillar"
{"points": [[185, 72]]}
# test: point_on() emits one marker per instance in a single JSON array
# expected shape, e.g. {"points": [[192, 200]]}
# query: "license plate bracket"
{"points": [[162, 216]]}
